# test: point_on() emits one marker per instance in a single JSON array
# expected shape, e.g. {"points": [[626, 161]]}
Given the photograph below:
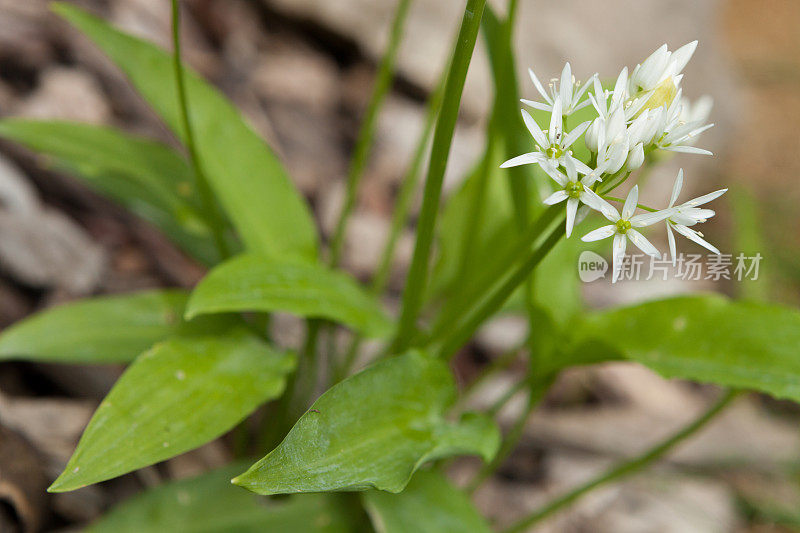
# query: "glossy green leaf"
{"points": [[249, 181], [703, 338], [146, 177], [109, 329], [257, 283], [429, 504], [182, 393], [373, 430], [210, 504]]}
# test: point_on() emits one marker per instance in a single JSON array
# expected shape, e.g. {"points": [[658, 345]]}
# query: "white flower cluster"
{"points": [[645, 112]]}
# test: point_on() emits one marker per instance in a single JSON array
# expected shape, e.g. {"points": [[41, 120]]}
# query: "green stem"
{"points": [[368, 126], [627, 467], [613, 182], [476, 209], [399, 220], [622, 200], [463, 327], [203, 187], [495, 301], [495, 268], [442, 139], [501, 402], [406, 194]]}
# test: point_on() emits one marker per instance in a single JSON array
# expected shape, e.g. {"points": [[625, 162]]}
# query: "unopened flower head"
{"points": [[688, 214], [661, 66], [567, 89], [623, 226]]}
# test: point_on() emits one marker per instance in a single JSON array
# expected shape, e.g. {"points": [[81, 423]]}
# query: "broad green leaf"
{"points": [[108, 329], [258, 283], [373, 430], [703, 338], [249, 181], [146, 177], [429, 504], [210, 504], [182, 393]]}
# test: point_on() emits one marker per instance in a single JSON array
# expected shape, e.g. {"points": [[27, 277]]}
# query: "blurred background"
{"points": [[302, 72]]}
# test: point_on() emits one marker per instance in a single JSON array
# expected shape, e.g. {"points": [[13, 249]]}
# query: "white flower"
{"points": [[688, 214], [613, 143], [572, 189], [567, 89], [622, 226], [677, 135], [551, 149], [659, 67]]}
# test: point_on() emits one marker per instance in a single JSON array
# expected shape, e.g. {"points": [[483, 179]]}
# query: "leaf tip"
{"points": [[63, 483]]}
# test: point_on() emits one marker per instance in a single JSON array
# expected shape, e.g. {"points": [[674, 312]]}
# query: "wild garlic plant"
{"points": [[205, 362], [646, 111]]}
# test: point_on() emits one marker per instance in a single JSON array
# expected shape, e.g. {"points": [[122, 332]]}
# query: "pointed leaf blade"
{"points": [[184, 392], [372, 430], [108, 329], [706, 338], [144, 176], [249, 181], [257, 283]]}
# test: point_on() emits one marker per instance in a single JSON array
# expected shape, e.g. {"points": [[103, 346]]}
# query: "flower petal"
{"points": [[539, 87], [554, 173], [650, 218], [565, 88], [676, 189], [682, 55], [687, 150], [620, 243], [536, 131], [537, 105], [642, 243], [575, 134], [695, 237], [569, 165], [556, 120], [590, 198], [706, 198], [600, 233], [572, 209], [672, 248], [580, 166], [524, 159], [630, 203], [556, 197]]}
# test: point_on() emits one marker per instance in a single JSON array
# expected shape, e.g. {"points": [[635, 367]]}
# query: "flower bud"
{"points": [[591, 137], [636, 157]]}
